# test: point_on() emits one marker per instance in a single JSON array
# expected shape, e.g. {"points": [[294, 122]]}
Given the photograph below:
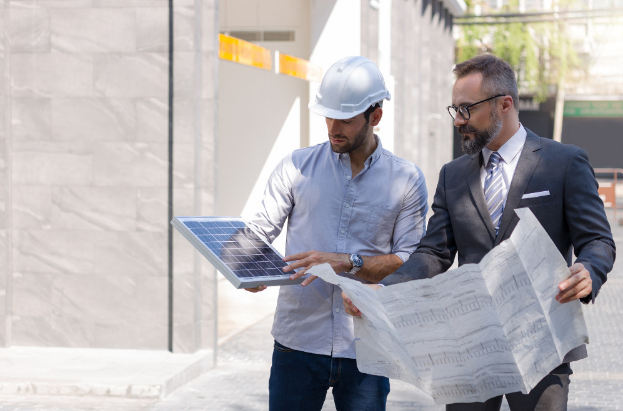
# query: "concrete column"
{"points": [[370, 30], [387, 128], [422, 58], [5, 197], [195, 43]]}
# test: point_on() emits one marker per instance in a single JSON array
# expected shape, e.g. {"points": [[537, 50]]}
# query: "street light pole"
{"points": [[560, 92]]}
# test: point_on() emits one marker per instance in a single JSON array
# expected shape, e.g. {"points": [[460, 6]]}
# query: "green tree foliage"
{"points": [[539, 53]]}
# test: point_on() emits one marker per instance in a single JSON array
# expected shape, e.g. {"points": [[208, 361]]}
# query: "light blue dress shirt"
{"points": [[380, 211]]}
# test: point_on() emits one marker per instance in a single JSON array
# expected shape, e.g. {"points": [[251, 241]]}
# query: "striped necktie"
{"points": [[495, 191]]}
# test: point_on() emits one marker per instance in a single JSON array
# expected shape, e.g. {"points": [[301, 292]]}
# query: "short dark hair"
{"points": [[498, 77], [371, 109]]}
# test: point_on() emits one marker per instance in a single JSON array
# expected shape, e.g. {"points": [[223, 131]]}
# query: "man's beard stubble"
{"points": [[358, 141], [481, 137]]}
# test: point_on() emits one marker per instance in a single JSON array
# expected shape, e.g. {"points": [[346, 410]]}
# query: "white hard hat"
{"points": [[348, 88]]}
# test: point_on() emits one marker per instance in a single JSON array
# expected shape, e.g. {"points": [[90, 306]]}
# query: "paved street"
{"points": [[240, 380]]}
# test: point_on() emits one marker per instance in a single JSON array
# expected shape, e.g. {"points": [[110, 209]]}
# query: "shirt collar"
{"points": [[510, 149], [370, 160]]}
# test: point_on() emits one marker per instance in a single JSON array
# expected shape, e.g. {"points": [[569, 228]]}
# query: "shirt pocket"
{"points": [[380, 226]]}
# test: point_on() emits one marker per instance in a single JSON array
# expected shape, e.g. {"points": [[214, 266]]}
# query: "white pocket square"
{"points": [[533, 195]]}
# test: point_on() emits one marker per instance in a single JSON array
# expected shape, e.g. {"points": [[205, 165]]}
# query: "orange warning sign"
{"points": [[243, 52], [296, 67]]}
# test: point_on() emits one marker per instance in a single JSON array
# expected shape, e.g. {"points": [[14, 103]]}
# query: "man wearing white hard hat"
{"points": [[351, 204]]}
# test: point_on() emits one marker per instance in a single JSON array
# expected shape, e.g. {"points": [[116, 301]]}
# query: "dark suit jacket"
{"points": [[573, 214]]}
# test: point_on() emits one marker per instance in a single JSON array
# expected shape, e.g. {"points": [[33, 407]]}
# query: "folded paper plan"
{"points": [[475, 332]]}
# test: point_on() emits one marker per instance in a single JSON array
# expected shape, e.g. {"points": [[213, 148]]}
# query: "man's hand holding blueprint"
{"points": [[475, 332]]}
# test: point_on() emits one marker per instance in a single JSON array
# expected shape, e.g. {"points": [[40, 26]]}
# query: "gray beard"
{"points": [[481, 137]]}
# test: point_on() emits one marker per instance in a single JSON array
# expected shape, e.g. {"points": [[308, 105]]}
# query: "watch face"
{"points": [[357, 260]]}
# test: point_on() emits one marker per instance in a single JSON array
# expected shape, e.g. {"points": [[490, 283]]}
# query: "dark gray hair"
{"points": [[498, 76]]}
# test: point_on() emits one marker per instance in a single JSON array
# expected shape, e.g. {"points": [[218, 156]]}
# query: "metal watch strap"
{"points": [[357, 262]]}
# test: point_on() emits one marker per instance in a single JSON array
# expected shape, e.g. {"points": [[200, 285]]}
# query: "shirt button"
{"points": [[342, 231], [347, 205], [348, 178], [337, 310]]}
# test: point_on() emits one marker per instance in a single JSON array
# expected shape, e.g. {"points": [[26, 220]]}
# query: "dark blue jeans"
{"points": [[299, 382]]}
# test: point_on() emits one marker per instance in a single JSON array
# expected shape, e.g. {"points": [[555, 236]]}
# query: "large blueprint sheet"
{"points": [[475, 332]]}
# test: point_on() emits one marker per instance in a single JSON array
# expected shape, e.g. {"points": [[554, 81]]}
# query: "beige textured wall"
{"points": [[86, 97]]}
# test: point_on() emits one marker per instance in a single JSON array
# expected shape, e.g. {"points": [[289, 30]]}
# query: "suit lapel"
{"points": [[528, 161], [478, 194]]}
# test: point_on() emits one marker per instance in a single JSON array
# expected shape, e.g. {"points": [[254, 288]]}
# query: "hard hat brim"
{"points": [[330, 113]]}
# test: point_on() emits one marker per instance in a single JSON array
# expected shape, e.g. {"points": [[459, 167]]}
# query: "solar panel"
{"points": [[237, 251]]}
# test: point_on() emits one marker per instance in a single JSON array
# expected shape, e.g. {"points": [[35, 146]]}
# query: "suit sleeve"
{"points": [[588, 225], [437, 248]]}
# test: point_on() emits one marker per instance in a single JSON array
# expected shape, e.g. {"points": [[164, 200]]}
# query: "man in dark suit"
{"points": [[506, 167]]}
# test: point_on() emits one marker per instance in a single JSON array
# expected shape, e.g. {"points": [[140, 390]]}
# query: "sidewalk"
{"points": [[239, 382]]}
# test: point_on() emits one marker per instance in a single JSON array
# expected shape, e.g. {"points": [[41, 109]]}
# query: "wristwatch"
{"points": [[357, 262]]}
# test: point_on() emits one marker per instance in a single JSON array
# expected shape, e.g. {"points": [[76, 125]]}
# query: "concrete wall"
{"points": [[84, 171], [421, 63], [370, 31]]}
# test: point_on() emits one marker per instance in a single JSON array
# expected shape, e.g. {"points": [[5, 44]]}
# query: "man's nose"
{"points": [[459, 120], [333, 126]]}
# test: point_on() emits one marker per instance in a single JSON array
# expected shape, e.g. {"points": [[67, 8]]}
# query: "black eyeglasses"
{"points": [[464, 110]]}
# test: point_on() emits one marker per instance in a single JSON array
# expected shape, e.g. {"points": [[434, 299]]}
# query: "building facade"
{"points": [[116, 115], [590, 108]]}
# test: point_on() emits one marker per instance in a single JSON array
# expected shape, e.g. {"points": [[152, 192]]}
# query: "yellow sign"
{"points": [[243, 52], [296, 67]]}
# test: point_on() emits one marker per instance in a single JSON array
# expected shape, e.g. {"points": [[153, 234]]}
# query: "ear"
{"points": [[507, 104], [375, 116]]}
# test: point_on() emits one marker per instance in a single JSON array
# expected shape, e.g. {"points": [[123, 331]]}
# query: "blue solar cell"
{"points": [[237, 246], [235, 250], [275, 271]]}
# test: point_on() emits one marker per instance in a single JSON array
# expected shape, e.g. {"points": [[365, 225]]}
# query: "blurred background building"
{"points": [[116, 115], [585, 37]]}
